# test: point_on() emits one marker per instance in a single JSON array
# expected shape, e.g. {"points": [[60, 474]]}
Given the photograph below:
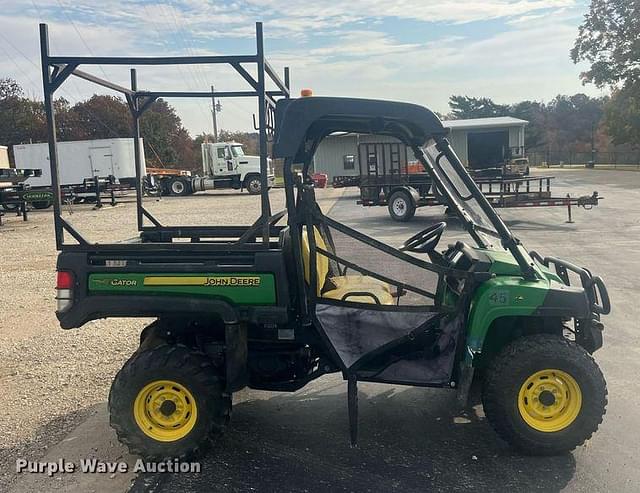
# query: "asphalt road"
{"points": [[411, 439]]}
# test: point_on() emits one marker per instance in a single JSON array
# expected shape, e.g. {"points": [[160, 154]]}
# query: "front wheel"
{"points": [[544, 395], [168, 402], [253, 184]]}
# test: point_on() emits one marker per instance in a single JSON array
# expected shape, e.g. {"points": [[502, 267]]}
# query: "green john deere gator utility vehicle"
{"points": [[274, 306]]}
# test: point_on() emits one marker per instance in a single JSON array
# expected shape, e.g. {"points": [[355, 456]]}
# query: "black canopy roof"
{"points": [[302, 123]]}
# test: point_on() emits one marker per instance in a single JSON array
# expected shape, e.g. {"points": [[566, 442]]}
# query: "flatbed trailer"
{"points": [[18, 196], [388, 179]]}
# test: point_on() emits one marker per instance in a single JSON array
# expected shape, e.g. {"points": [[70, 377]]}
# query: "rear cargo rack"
{"points": [[55, 71]]}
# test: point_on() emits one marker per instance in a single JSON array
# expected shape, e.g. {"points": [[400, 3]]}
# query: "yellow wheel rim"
{"points": [[165, 410], [549, 400]]}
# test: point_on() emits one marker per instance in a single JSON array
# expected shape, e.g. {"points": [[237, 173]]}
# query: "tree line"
{"points": [[566, 123], [167, 143]]}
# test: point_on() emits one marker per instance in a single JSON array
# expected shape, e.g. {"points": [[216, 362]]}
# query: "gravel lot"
{"points": [[51, 377]]}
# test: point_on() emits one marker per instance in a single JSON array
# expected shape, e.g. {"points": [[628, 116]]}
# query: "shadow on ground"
{"points": [[409, 441], [38, 444]]}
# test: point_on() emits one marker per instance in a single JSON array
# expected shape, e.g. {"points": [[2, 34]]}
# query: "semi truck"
{"points": [[224, 165]]}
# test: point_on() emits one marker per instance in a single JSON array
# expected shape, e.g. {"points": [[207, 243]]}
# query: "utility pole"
{"points": [[214, 110], [593, 145]]}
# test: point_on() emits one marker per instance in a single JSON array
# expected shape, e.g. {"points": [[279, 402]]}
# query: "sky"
{"points": [[420, 51]]}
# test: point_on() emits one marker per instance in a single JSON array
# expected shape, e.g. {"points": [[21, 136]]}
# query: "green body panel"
{"points": [[237, 288], [507, 294], [504, 296]]}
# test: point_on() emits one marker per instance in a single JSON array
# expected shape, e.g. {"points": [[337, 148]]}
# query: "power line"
{"points": [[187, 43], [25, 74], [63, 8], [198, 70], [190, 69], [90, 113]]}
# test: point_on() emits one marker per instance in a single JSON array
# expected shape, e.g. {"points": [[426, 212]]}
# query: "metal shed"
{"points": [[483, 142], [479, 143]]}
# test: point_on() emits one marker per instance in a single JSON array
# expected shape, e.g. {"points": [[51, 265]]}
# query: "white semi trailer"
{"points": [[81, 160]]}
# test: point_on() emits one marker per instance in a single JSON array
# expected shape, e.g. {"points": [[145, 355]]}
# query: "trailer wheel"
{"points": [[168, 402], [401, 207], [41, 204], [544, 395], [179, 187], [252, 184]]}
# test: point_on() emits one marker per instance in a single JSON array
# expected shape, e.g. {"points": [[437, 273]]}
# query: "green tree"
{"points": [[608, 40], [465, 107], [571, 119], [167, 143], [21, 119], [622, 116], [99, 117], [9, 88], [536, 114]]}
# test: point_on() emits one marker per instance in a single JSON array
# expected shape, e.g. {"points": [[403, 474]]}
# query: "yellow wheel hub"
{"points": [[549, 400], [165, 410]]}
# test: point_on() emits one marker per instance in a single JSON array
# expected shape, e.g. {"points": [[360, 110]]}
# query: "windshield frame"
{"points": [[455, 202], [463, 196]]}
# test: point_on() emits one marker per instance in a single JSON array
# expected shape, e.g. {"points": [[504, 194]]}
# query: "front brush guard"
{"points": [[593, 286], [588, 331]]}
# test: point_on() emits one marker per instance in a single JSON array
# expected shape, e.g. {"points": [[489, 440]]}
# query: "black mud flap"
{"points": [[236, 353], [589, 334], [352, 403]]}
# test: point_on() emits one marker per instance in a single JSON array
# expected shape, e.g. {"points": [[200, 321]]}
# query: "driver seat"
{"points": [[355, 288]]}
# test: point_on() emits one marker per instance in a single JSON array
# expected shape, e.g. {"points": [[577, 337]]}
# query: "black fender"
{"points": [[412, 192]]}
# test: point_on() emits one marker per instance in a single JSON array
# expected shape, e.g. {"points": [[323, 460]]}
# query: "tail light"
{"points": [[64, 289]]}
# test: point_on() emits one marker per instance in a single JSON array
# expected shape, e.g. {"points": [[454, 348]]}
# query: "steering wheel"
{"points": [[426, 240]]}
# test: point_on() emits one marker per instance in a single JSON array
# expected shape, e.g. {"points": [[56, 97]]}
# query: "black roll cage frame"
{"points": [[56, 69], [310, 216]]}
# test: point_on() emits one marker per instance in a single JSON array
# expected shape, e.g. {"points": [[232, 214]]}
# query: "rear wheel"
{"points": [[253, 185], [168, 401], [401, 207], [544, 395], [179, 186]]}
